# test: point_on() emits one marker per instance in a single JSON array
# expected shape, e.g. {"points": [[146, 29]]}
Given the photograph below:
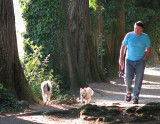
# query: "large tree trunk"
{"points": [[118, 31], [11, 73], [80, 52], [76, 43]]}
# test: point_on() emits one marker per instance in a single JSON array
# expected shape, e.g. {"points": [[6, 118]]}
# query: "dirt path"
{"points": [[104, 94], [108, 94]]}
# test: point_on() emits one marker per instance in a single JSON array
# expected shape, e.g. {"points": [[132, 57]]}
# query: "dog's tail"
{"points": [[48, 88]]}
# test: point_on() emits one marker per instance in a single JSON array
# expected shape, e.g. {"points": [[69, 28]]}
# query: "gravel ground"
{"points": [[105, 94]]}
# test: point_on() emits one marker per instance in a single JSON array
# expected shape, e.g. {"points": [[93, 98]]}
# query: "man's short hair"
{"points": [[140, 24]]}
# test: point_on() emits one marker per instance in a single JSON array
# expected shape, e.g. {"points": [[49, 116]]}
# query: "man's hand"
{"points": [[148, 50], [121, 59]]}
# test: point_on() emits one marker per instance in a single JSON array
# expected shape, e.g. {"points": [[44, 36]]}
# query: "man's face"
{"points": [[137, 29]]}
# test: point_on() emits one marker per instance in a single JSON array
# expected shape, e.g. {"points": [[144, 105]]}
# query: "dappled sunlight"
{"points": [[150, 96], [150, 85], [45, 114], [105, 94], [44, 119], [47, 108], [113, 93], [119, 84], [109, 92], [151, 79], [152, 71], [10, 119], [37, 119]]}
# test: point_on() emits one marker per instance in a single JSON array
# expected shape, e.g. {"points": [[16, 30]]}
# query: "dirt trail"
{"points": [[114, 93], [104, 94]]}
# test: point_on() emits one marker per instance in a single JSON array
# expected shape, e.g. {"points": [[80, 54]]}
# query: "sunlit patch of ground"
{"points": [[50, 119], [153, 71]]}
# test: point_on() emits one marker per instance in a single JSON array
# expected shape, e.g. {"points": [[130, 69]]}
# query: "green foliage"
{"points": [[100, 49], [35, 68], [7, 101], [45, 24], [93, 20], [136, 10], [147, 11], [101, 40], [93, 4], [43, 43], [36, 71], [109, 14]]}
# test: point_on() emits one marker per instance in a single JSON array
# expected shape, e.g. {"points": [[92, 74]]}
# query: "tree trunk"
{"points": [[76, 43], [118, 32], [153, 58], [11, 73], [81, 55]]}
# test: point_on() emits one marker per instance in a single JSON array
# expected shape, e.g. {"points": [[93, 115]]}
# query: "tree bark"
{"points": [[11, 74], [97, 45], [76, 43], [80, 52], [118, 32], [153, 58], [100, 42]]}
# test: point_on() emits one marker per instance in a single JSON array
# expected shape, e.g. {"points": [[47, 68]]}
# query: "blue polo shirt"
{"points": [[136, 45]]}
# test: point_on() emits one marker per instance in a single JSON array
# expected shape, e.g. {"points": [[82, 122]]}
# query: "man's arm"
{"points": [[121, 59], [148, 50]]}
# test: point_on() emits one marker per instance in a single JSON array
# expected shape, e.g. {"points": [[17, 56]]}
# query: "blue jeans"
{"points": [[134, 69]]}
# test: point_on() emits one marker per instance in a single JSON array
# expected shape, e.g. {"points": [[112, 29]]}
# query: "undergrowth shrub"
{"points": [[8, 102], [36, 71]]}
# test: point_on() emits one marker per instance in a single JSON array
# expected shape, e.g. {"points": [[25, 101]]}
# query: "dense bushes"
{"points": [[8, 101]]}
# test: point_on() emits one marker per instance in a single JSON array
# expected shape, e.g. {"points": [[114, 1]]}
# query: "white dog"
{"points": [[46, 88], [85, 94]]}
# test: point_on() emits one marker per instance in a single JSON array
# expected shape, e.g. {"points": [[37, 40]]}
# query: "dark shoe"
{"points": [[135, 101], [128, 97]]}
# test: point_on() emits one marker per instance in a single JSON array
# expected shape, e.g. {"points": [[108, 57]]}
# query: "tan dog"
{"points": [[85, 94], [46, 88]]}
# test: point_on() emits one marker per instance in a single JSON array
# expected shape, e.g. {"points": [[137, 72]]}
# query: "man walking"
{"points": [[138, 49]]}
